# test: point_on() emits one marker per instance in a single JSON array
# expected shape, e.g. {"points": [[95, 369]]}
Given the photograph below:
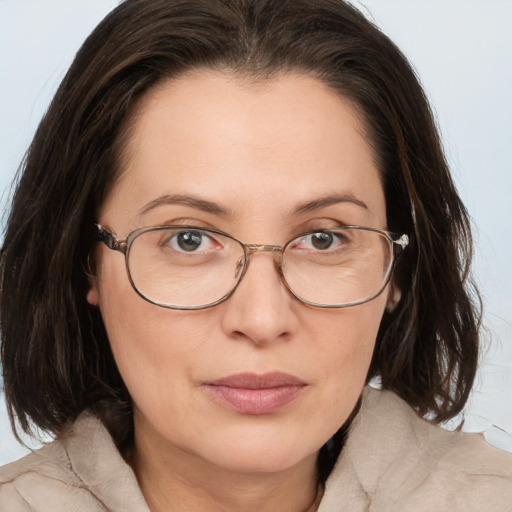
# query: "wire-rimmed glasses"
{"points": [[190, 267]]}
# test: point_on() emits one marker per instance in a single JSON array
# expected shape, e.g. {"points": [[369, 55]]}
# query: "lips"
{"points": [[256, 394]]}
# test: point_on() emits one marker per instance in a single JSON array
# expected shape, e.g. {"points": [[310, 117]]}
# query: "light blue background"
{"points": [[462, 50]]}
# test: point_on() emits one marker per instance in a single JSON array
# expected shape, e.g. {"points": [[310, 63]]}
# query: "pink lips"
{"points": [[249, 393]]}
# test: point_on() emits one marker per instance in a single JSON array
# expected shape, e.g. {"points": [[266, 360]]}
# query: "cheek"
{"points": [[349, 337], [135, 329], [345, 351], [155, 349]]}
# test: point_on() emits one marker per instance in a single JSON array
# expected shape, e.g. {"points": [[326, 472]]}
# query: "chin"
{"points": [[263, 461], [262, 451]]}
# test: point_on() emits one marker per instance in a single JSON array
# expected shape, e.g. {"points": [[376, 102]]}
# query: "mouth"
{"points": [[249, 393]]}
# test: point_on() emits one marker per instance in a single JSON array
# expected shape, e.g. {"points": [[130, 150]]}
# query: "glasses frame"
{"points": [[398, 243]]}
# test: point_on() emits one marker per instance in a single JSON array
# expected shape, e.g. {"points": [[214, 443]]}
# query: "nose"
{"points": [[261, 310]]}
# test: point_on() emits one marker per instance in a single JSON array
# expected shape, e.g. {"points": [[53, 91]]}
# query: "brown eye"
{"points": [[189, 240], [322, 241]]}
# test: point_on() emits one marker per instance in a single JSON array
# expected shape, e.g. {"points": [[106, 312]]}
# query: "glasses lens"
{"points": [[193, 268], [183, 267], [339, 267]]}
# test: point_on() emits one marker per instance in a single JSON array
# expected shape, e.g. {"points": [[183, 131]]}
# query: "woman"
{"points": [[233, 216]]}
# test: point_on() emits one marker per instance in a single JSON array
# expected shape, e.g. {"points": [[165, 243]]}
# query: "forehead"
{"points": [[246, 144], [262, 113]]}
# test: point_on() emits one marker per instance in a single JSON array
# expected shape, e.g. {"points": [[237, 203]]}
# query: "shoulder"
{"points": [[82, 470], [400, 424], [455, 469], [41, 481], [402, 462]]}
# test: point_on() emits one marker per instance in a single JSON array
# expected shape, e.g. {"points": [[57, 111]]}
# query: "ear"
{"points": [[394, 296], [93, 295]]}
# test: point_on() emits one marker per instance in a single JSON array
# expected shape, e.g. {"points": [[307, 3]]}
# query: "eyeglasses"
{"points": [[190, 267]]}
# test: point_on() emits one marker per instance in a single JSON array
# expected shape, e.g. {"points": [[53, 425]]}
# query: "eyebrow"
{"points": [[185, 200], [329, 200], [216, 209]]}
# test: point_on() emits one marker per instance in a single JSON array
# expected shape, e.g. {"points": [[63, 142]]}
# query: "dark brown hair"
{"points": [[55, 353]]}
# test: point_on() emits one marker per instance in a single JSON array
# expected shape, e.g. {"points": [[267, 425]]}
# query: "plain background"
{"points": [[462, 50]]}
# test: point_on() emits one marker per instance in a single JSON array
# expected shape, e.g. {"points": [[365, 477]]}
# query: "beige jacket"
{"points": [[392, 462]]}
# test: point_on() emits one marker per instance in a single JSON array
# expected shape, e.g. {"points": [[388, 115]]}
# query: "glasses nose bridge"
{"points": [[258, 248], [275, 250]]}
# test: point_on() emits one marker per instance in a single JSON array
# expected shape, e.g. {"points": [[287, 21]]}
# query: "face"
{"points": [[258, 151]]}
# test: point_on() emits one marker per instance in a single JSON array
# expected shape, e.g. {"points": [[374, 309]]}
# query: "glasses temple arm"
{"points": [[109, 239]]}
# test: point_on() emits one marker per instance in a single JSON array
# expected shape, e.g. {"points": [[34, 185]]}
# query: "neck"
{"points": [[175, 480]]}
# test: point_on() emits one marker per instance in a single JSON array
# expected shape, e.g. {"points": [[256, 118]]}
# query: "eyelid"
{"points": [[188, 222], [324, 224]]}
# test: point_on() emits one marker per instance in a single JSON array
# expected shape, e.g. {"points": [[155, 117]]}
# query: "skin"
{"points": [[259, 150]]}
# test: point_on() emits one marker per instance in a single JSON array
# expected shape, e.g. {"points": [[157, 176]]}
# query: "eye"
{"points": [[320, 241], [192, 241]]}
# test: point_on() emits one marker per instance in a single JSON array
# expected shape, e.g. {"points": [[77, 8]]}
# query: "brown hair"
{"points": [[55, 353]]}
